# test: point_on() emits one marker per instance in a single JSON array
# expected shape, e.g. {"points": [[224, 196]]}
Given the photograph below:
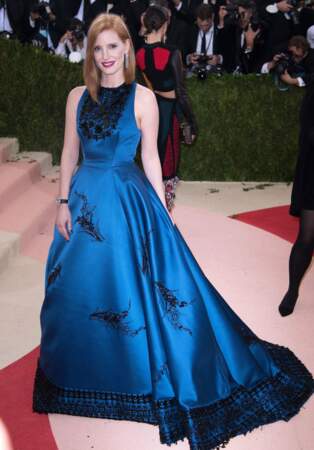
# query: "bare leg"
{"points": [[300, 259]]}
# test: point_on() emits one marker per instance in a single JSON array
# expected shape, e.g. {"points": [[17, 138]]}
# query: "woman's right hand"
{"points": [[64, 221], [65, 37]]}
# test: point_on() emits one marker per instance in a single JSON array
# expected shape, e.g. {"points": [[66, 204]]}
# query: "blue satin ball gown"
{"points": [[131, 327]]}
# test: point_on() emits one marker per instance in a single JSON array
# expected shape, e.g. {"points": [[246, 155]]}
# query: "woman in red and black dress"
{"points": [[162, 69]]}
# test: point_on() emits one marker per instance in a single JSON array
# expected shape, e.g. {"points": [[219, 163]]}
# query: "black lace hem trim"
{"points": [[207, 428]]}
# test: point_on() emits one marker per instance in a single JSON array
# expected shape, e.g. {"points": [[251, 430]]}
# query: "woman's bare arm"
{"points": [[71, 145], [69, 159]]}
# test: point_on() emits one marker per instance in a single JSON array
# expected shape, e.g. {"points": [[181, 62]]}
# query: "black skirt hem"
{"points": [[207, 428]]}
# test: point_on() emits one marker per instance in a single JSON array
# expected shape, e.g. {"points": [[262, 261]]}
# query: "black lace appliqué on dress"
{"points": [[145, 263], [207, 427], [54, 274], [117, 321], [161, 372], [86, 219], [171, 306], [98, 120]]}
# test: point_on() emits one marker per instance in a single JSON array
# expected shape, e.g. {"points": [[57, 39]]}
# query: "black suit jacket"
{"points": [[191, 41], [132, 14], [308, 65], [280, 30], [67, 9], [18, 14], [253, 61], [176, 33], [223, 44]]}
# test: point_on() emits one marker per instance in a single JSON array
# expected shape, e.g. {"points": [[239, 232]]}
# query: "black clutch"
{"points": [[186, 132]]}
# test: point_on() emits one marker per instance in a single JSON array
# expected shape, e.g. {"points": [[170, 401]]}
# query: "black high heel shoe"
{"points": [[287, 305]]}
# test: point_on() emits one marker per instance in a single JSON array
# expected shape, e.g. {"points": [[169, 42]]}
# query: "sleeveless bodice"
{"points": [[107, 129]]}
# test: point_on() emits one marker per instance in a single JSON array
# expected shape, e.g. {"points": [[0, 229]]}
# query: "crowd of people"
{"points": [[218, 36]]}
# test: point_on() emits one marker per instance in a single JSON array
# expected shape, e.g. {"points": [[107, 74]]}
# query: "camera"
{"points": [[43, 10], [202, 60], [76, 29], [255, 22], [200, 69], [294, 13], [203, 67], [233, 15], [286, 62], [6, 35], [201, 72], [283, 64]]}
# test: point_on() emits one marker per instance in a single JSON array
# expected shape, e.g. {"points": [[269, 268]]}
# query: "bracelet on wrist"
{"points": [[61, 201]]}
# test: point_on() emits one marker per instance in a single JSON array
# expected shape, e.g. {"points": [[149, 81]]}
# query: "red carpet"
{"points": [[28, 431], [274, 220]]}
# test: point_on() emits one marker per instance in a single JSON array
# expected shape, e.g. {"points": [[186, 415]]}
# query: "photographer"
{"points": [[47, 30], [203, 43], [296, 67], [73, 43], [252, 49]]}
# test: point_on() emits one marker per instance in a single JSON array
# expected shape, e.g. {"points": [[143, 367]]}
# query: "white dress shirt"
{"points": [[80, 13], [4, 21], [209, 36]]}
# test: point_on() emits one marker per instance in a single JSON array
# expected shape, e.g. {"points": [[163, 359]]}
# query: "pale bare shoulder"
{"points": [[143, 93], [75, 94], [145, 100]]}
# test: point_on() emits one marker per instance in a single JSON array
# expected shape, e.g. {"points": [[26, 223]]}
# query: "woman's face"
{"points": [[109, 51]]}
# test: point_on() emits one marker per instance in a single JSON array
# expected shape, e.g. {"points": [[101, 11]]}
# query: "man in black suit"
{"points": [[206, 40], [131, 11], [84, 10], [251, 39], [281, 24], [14, 18]]}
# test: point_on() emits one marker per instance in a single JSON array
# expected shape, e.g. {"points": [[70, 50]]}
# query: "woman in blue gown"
{"points": [[131, 327]]}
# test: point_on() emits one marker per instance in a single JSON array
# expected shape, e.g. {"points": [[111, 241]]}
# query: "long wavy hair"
{"points": [[92, 75]]}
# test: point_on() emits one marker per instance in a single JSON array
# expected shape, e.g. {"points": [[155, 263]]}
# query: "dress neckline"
{"points": [[115, 88]]}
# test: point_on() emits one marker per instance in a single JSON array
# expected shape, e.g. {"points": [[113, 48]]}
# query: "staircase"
{"points": [[28, 187], [27, 209]]}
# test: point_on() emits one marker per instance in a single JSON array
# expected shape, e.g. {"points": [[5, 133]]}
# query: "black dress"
{"points": [[303, 186], [162, 70]]}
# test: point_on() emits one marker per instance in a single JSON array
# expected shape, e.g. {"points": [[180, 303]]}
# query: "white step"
{"points": [[9, 248], [21, 297], [9, 148]]}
